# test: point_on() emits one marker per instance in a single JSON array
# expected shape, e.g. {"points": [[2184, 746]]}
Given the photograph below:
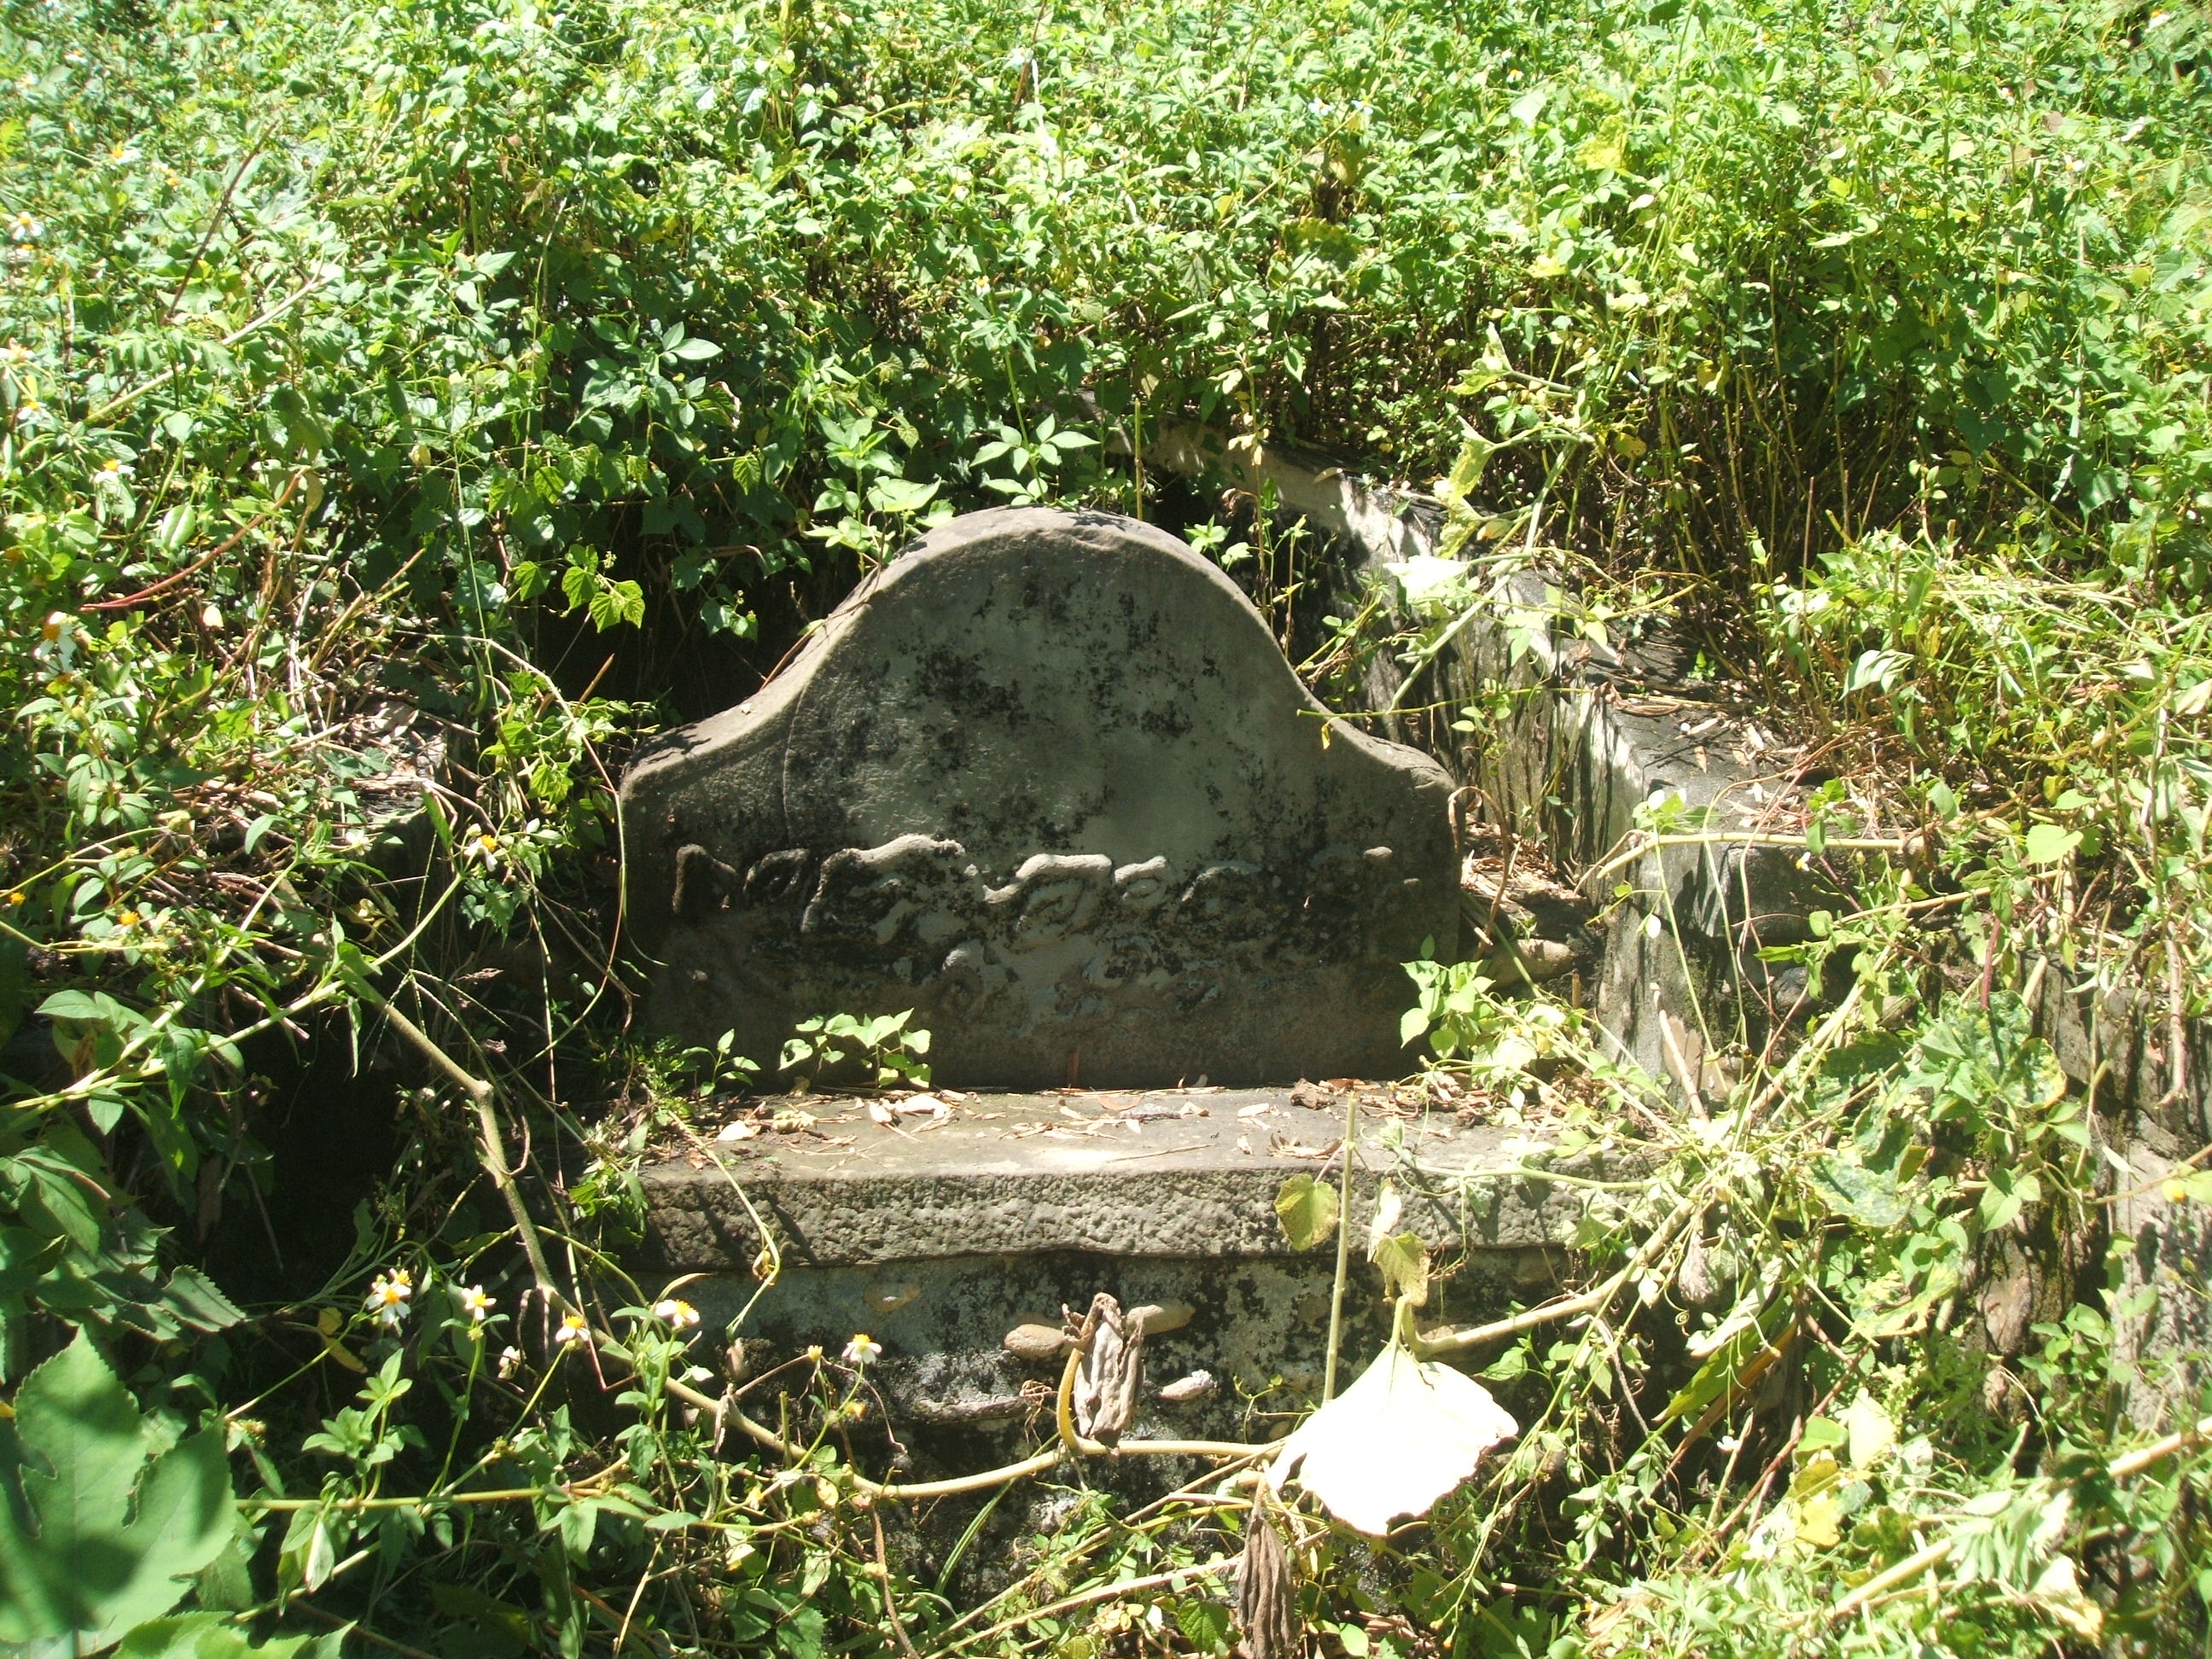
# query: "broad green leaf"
{"points": [[2047, 844], [1431, 585], [615, 602], [1205, 1624], [78, 1557], [1306, 1209], [900, 496], [1822, 1434], [802, 1634], [1851, 1190], [217, 1636]]}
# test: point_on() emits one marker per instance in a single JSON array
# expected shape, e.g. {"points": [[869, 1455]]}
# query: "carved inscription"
{"points": [[1067, 935]]}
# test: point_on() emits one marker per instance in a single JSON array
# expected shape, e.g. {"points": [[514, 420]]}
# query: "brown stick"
{"points": [[493, 1152], [1444, 1340], [890, 1601], [201, 563]]}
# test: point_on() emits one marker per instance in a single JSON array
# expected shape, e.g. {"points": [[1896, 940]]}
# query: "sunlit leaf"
{"points": [[1389, 1446], [1306, 1209]]}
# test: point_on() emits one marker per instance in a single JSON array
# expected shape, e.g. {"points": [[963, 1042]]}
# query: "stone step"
{"points": [[942, 1235]]}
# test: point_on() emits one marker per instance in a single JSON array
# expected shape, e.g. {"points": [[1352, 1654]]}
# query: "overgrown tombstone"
{"points": [[1048, 781]]}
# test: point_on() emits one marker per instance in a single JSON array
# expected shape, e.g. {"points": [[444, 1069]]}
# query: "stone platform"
{"points": [[941, 1236]]}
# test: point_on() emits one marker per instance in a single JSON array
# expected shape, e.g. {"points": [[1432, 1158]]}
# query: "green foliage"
{"points": [[1465, 1027], [216, 1636], [357, 363], [65, 1254], [1846, 1213], [881, 1050], [101, 1516]]}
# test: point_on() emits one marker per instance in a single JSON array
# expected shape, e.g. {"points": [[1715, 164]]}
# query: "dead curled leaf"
{"points": [[1110, 1372], [1389, 1446], [1267, 1592]]}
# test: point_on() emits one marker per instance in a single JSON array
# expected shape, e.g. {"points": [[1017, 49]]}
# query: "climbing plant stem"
{"points": [[1343, 1244]]}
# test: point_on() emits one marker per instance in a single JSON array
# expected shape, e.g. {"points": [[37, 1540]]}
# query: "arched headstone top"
{"points": [[1048, 779]]}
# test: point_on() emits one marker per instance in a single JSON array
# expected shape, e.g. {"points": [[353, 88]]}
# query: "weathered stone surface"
{"points": [[955, 1248], [1120, 1176], [1048, 781]]}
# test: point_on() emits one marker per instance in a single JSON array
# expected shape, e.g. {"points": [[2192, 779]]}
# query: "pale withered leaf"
{"points": [[1393, 1442], [1267, 1593]]}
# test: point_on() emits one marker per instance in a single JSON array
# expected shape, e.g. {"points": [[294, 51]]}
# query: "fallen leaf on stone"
{"points": [[1157, 1318], [1389, 1446], [920, 1105], [1036, 1341], [1189, 1387], [1257, 1109], [739, 1131], [883, 1113], [792, 1123]]}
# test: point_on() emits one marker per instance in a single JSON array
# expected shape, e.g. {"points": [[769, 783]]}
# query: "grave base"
{"points": [[939, 1237]]}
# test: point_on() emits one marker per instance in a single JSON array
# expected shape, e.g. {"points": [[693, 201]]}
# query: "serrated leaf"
{"points": [[1204, 1625], [1306, 1210], [1389, 1446], [194, 1299], [92, 1538]]}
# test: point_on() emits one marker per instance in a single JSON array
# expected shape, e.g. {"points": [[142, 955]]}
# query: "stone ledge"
{"points": [[1185, 1174]]}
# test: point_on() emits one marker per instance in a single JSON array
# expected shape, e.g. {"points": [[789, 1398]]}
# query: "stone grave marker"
{"points": [[1047, 780]]}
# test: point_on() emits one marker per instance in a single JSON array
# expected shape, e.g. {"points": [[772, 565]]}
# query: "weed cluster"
{"points": [[371, 377]]}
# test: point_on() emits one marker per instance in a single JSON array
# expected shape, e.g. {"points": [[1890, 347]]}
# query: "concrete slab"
{"points": [[940, 1236], [1187, 1174]]}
